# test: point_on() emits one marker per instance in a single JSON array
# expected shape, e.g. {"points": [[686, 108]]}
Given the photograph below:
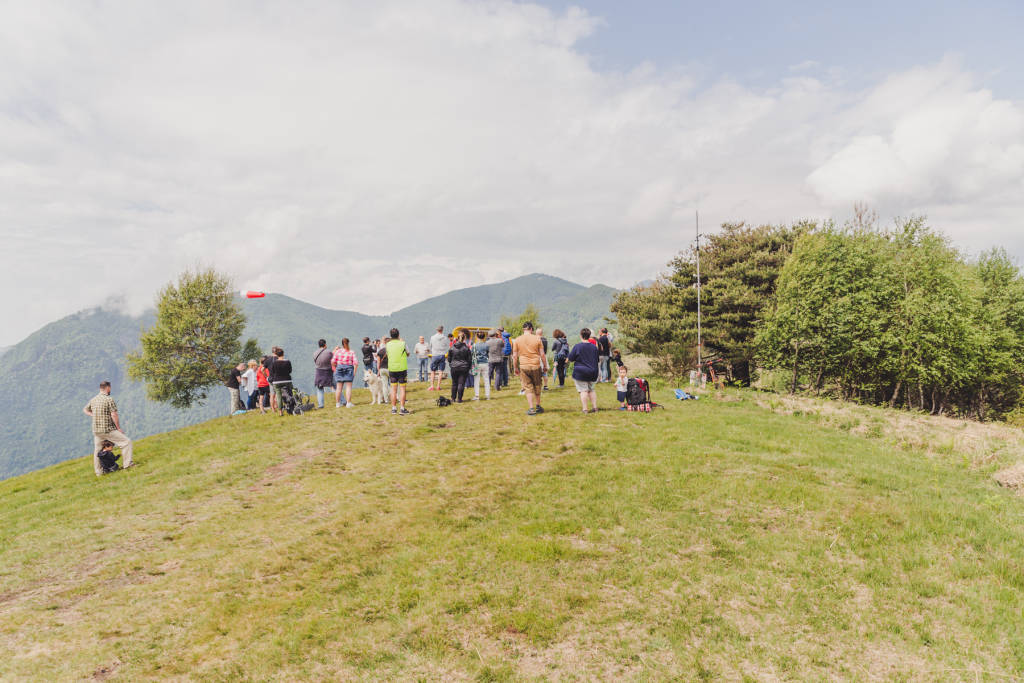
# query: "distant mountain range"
{"points": [[52, 374]]}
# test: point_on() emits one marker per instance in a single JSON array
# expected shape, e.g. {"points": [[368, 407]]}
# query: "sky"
{"points": [[365, 156]]}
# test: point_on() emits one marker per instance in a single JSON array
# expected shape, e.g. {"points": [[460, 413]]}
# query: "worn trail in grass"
{"points": [[716, 538]]}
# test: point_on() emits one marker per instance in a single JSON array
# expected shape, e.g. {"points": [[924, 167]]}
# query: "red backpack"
{"points": [[638, 396]]}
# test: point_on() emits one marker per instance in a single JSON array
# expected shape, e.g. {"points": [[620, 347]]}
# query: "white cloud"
{"points": [[368, 155], [927, 138]]}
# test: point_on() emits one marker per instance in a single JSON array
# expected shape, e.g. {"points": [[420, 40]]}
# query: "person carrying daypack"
{"points": [[560, 348]]}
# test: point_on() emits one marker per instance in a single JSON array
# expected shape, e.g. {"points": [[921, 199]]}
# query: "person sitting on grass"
{"points": [[107, 458], [620, 386]]}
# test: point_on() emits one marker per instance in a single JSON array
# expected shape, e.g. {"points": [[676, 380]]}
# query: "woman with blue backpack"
{"points": [[560, 347]]}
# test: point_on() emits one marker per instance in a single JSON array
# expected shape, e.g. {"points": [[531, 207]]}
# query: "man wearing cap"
{"points": [[529, 362]]}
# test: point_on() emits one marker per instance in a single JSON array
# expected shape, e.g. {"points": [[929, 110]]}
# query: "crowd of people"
{"points": [[484, 363]]}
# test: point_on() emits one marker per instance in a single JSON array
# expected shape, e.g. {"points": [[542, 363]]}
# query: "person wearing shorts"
{"points": [[621, 384], [398, 371], [584, 357], [529, 363], [438, 352], [343, 364], [262, 388]]}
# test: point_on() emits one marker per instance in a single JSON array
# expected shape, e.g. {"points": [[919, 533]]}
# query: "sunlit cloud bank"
{"points": [[366, 156]]}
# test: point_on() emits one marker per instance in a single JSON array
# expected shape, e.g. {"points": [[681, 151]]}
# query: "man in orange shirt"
{"points": [[530, 363]]}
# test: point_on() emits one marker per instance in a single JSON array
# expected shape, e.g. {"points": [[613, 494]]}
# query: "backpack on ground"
{"points": [[443, 401], [638, 396]]}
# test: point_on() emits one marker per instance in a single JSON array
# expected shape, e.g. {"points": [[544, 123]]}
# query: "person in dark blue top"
{"points": [[506, 339], [584, 357]]}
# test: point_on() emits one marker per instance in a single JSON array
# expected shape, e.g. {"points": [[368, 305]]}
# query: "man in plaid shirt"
{"points": [[106, 427]]}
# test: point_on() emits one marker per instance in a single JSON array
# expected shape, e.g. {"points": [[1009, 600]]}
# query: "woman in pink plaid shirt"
{"points": [[344, 364]]}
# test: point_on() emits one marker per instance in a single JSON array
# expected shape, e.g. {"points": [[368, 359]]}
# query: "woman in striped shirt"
{"points": [[344, 364]]}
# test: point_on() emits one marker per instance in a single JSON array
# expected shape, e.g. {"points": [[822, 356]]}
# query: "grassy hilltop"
{"points": [[743, 536]]}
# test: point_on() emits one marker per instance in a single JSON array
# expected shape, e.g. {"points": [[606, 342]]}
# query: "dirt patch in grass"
{"points": [[1012, 477], [106, 671], [281, 470]]}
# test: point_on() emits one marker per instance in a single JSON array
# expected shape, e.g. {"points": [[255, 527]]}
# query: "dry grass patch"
{"points": [[978, 444], [1011, 477]]}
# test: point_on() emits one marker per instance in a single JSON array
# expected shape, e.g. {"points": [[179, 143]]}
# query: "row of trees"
{"points": [[895, 316], [739, 269]]}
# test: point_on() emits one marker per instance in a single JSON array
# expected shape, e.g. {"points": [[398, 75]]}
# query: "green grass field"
{"points": [[741, 537]]}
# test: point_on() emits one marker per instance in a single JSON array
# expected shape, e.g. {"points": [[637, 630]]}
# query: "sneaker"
{"points": [[394, 411], [531, 411], [540, 409], [337, 405], [522, 393], [405, 412], [476, 398], [622, 407], [545, 388], [348, 405]]}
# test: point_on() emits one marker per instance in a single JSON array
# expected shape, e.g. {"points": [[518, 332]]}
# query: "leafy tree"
{"points": [[193, 342], [830, 315], [739, 267], [1000, 321], [514, 324], [897, 316], [935, 315], [251, 351]]}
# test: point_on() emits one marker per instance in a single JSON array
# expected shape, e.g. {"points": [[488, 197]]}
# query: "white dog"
{"points": [[376, 386]]}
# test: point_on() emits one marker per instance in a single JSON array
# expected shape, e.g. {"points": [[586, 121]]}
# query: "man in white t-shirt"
{"points": [[422, 352], [438, 352]]}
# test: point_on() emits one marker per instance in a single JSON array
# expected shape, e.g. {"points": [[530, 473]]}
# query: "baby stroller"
{"points": [[294, 401]]}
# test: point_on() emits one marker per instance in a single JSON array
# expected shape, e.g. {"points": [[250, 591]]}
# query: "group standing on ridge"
{"points": [[482, 360]]}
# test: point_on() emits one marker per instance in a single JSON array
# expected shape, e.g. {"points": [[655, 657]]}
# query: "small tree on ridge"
{"points": [[191, 345]]}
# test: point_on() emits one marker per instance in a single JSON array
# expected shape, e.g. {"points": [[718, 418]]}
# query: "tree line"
{"points": [[895, 316]]}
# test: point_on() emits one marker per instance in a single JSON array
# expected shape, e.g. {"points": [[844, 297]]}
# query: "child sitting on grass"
{"points": [[107, 457], [620, 386]]}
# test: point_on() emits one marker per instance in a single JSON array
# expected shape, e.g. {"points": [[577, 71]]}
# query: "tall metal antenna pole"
{"points": [[700, 343]]}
